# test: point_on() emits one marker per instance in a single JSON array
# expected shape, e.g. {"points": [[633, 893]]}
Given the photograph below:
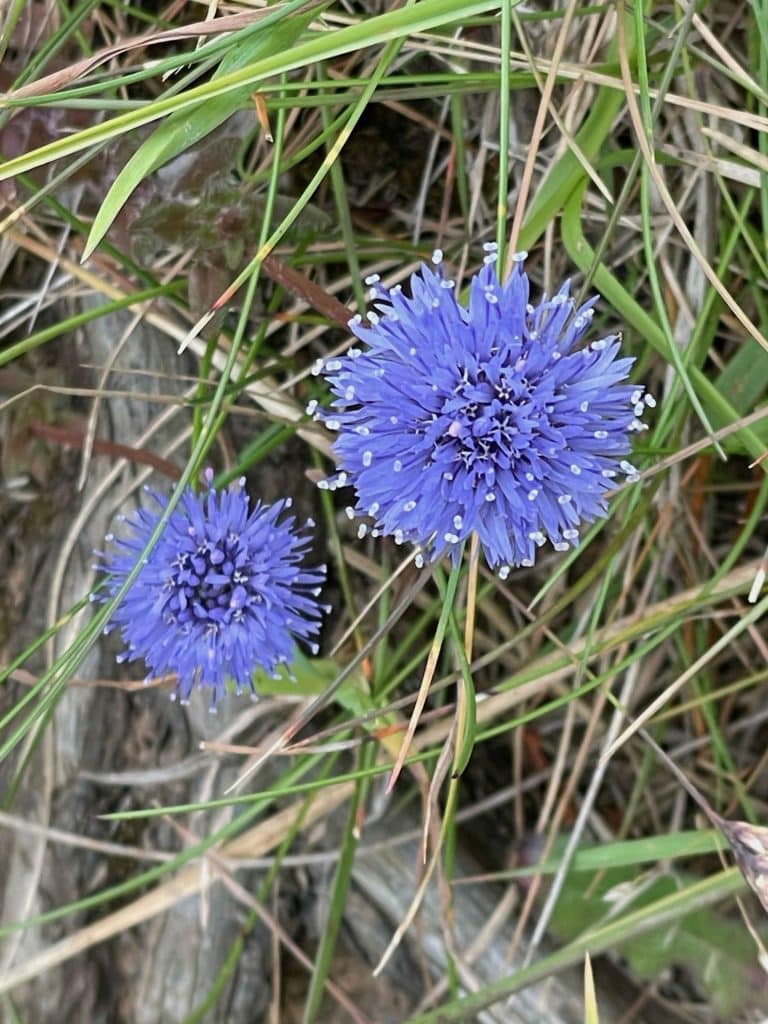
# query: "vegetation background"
{"points": [[191, 197]]}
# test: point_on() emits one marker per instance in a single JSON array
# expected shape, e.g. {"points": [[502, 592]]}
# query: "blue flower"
{"points": [[222, 593], [485, 417]]}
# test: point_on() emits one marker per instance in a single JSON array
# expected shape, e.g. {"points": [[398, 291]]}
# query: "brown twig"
{"points": [[300, 286], [73, 438]]}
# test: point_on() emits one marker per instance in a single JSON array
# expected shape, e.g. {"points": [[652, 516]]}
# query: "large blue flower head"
{"points": [[488, 417], [222, 593]]}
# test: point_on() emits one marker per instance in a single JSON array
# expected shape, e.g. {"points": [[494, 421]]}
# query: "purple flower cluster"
{"points": [[487, 417], [222, 593], [493, 417]]}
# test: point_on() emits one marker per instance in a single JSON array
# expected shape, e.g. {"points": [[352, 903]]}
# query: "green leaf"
{"points": [[186, 127], [743, 382], [309, 677], [628, 852], [718, 952], [610, 936]]}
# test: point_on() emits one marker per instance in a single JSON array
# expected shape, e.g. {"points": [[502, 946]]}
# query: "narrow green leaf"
{"points": [[743, 383], [657, 914], [591, 1015], [182, 130], [427, 14]]}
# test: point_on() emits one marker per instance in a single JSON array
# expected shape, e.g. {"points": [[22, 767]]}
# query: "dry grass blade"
{"points": [[748, 843], [537, 133], [59, 80], [413, 909], [191, 880], [725, 640], [421, 700], [679, 222]]}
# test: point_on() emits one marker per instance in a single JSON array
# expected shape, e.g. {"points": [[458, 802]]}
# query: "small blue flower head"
{"points": [[222, 593], [489, 417]]}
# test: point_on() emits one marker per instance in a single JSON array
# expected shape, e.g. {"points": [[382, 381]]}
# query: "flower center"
{"points": [[489, 417], [210, 584]]}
